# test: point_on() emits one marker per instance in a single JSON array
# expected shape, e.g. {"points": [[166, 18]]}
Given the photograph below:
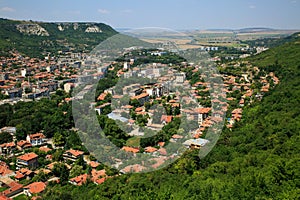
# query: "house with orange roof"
{"points": [[51, 165], [203, 113], [36, 139], [130, 149], [14, 189], [24, 173], [34, 188], [2, 197], [99, 181], [79, 180], [161, 144], [102, 96], [7, 148], [5, 171], [242, 102], [165, 119], [99, 109], [29, 160], [139, 109], [175, 138], [127, 107], [142, 98], [94, 164], [45, 149], [72, 155], [150, 149], [237, 114], [96, 174], [131, 122]]}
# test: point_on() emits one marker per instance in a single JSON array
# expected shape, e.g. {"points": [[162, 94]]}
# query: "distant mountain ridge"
{"points": [[36, 38], [249, 30]]}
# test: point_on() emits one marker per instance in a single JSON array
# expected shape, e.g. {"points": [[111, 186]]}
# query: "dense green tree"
{"points": [[5, 137], [60, 170]]}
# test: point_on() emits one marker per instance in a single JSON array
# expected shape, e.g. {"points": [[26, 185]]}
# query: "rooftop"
{"points": [[28, 156]]}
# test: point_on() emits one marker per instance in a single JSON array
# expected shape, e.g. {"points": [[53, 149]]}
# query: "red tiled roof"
{"points": [[94, 164], [177, 136], [127, 107], [143, 95], [130, 149], [19, 175], [139, 109], [36, 187], [36, 136], [237, 111], [28, 156], [51, 165], [2, 197], [203, 110], [44, 149], [150, 149], [4, 170], [117, 96], [99, 173], [75, 153], [166, 118], [25, 171], [131, 121], [13, 187], [79, 180], [10, 144], [100, 181], [24, 143], [102, 96], [161, 144]]}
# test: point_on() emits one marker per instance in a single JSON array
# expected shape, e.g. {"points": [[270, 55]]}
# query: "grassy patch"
{"points": [[133, 142], [21, 197]]}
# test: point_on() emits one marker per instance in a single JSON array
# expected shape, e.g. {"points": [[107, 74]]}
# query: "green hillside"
{"points": [[259, 159], [71, 36]]}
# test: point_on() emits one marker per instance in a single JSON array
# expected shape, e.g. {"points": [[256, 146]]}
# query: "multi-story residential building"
{"points": [[142, 98], [29, 160], [36, 139], [7, 148], [73, 155]]}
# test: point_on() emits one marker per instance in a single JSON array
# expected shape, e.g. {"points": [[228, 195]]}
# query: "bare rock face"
{"points": [[32, 29], [93, 29]]}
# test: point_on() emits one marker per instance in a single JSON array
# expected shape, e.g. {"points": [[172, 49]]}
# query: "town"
{"points": [[29, 164]]}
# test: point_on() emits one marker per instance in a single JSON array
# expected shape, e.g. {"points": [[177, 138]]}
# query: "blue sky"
{"points": [[174, 14]]}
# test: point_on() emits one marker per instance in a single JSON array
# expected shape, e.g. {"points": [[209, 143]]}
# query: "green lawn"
{"points": [[2, 189], [21, 197]]}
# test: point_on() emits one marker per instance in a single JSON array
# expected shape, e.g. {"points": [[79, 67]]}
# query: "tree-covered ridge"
{"points": [[258, 159], [55, 36]]}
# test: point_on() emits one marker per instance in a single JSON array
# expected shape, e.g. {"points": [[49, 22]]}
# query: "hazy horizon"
{"points": [[173, 14]]}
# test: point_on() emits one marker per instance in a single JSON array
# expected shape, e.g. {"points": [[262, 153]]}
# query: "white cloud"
{"points": [[103, 11], [252, 6], [7, 9]]}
